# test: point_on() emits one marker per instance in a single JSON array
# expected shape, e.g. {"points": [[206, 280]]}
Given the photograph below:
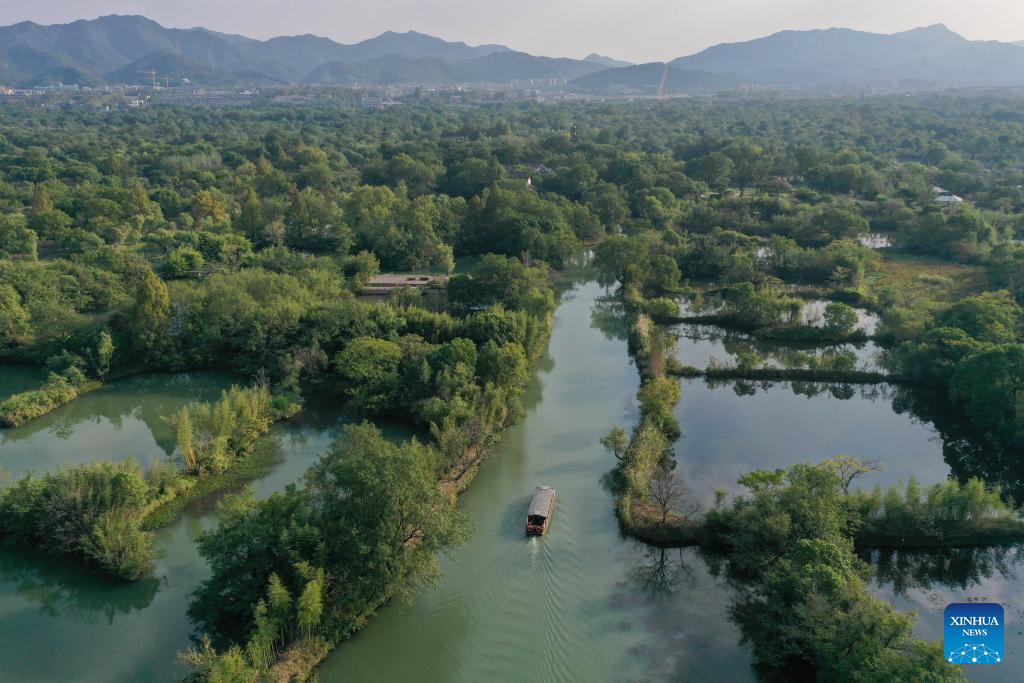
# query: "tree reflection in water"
{"points": [[608, 315], [664, 571], [959, 568], [968, 451], [842, 391], [63, 589]]}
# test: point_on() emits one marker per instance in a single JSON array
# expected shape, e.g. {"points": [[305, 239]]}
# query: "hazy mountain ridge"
{"points": [[932, 53], [608, 62], [104, 50], [305, 53], [125, 49]]}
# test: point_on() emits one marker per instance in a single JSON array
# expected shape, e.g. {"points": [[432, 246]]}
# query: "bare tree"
{"points": [[849, 468], [669, 496]]}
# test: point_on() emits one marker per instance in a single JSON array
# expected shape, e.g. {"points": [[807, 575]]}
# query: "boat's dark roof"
{"points": [[541, 503]]}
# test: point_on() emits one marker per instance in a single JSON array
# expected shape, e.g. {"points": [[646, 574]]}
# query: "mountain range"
{"points": [[134, 49], [932, 54], [122, 49]]}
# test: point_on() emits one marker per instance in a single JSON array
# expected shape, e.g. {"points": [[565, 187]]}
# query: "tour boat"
{"points": [[541, 508]]}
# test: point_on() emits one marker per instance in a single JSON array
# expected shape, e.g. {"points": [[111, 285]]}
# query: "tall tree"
{"points": [[150, 319]]}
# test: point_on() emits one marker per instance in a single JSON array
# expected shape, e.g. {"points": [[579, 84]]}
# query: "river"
{"points": [[582, 603]]}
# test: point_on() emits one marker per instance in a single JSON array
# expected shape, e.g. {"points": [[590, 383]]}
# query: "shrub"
{"points": [[117, 544], [92, 510], [662, 308], [211, 436]]}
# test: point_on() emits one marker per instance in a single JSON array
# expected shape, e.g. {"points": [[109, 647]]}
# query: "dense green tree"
{"points": [[16, 239], [990, 317], [715, 169], [15, 322], [505, 281], [150, 319], [370, 516], [840, 319], [368, 369]]}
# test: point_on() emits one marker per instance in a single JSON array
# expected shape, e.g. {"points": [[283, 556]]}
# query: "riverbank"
{"points": [[166, 510], [72, 618], [58, 390], [302, 658], [55, 392]]}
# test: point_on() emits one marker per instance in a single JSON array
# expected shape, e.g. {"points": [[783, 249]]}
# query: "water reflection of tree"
{"points": [[968, 451], [63, 589], [608, 315], [743, 350], [951, 567], [842, 391], [664, 570]]}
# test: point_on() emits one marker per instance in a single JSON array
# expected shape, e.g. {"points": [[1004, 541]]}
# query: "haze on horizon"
{"points": [[639, 30]]}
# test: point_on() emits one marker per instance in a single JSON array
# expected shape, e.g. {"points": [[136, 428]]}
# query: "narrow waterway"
{"points": [[580, 604]]}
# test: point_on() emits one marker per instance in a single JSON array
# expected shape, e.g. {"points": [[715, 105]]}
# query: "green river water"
{"points": [[580, 604]]}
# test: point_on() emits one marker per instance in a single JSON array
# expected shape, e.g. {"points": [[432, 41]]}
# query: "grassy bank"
{"points": [[649, 502], [56, 391], [645, 523]]}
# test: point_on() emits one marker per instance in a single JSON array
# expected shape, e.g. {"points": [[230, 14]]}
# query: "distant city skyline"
{"points": [[638, 31]]}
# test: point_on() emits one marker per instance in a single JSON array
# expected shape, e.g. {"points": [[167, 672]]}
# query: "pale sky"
{"points": [[636, 30]]}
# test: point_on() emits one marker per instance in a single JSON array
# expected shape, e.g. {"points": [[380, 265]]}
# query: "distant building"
{"points": [[946, 198], [514, 173], [378, 102], [949, 199], [385, 284], [526, 172]]}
